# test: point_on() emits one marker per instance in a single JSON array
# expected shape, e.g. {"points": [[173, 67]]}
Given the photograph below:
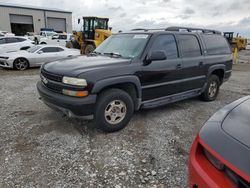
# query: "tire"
{"points": [[212, 89], [114, 110], [89, 48], [21, 64], [43, 43]]}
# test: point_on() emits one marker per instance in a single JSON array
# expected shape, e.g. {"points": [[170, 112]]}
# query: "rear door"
{"points": [[160, 78], [193, 68]]}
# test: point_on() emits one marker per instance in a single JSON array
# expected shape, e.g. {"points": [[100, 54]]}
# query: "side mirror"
{"points": [[155, 56], [40, 52]]}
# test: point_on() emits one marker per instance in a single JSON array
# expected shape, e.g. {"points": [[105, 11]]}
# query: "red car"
{"points": [[220, 154]]}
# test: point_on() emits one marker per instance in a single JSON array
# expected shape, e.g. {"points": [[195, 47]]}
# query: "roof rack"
{"points": [[190, 29], [187, 29], [144, 29]]}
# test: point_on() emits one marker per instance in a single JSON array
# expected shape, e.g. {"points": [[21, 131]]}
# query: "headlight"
{"points": [[215, 162], [74, 81]]}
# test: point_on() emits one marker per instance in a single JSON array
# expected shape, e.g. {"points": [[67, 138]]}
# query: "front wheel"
{"points": [[21, 64], [212, 89], [114, 110], [89, 49]]}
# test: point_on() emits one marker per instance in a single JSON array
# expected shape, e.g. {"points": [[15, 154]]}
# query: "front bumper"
{"points": [[82, 108], [202, 174], [6, 63]]}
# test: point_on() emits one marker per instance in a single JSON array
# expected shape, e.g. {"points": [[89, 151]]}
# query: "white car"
{"points": [[248, 44], [44, 34], [35, 56], [6, 34], [60, 39], [10, 44]]}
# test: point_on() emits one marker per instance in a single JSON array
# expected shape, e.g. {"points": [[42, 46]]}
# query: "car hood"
{"points": [[74, 66], [237, 123]]}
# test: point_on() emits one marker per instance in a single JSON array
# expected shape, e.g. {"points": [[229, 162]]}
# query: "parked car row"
{"points": [[35, 56]]}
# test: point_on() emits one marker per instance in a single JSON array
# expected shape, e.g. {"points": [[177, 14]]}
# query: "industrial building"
{"points": [[21, 19]]}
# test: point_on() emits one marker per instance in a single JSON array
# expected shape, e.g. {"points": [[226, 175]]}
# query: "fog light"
{"points": [[75, 93]]}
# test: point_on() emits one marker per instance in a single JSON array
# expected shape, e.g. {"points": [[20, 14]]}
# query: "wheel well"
{"points": [[130, 88], [219, 73], [23, 58]]}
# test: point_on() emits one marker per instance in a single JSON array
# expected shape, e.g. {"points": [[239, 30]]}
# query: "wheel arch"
{"points": [[218, 70], [129, 84]]}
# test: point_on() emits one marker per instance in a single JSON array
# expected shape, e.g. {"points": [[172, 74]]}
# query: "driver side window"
{"points": [[167, 44], [49, 50]]}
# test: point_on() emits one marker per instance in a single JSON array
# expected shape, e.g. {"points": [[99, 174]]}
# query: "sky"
{"points": [[223, 15]]}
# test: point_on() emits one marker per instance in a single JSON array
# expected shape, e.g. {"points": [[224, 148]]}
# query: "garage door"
{"points": [[58, 24], [21, 19], [21, 24]]}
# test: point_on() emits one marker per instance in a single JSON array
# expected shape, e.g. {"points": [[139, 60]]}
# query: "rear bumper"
{"points": [[82, 108]]}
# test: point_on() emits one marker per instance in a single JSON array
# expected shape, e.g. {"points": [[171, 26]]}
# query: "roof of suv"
{"points": [[175, 30]]}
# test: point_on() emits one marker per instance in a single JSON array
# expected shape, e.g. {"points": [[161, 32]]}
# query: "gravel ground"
{"points": [[41, 148]]}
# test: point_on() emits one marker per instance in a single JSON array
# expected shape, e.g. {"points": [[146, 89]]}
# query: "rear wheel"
{"points": [[21, 64], [114, 110], [212, 88], [89, 49], [43, 43]]}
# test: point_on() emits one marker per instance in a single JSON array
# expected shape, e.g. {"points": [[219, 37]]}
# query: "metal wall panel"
{"points": [[21, 19], [58, 24]]}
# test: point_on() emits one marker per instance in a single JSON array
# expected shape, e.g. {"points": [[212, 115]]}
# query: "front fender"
{"points": [[118, 80]]}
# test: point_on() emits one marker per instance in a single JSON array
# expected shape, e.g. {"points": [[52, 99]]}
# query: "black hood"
{"points": [[237, 123], [74, 66]]}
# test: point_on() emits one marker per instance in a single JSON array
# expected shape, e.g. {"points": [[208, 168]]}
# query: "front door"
{"points": [[160, 78]]}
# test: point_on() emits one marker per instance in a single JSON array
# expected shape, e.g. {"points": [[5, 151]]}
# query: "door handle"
{"points": [[178, 66]]}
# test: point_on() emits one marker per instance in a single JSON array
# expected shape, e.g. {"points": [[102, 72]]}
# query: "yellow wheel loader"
{"points": [[95, 31], [236, 42]]}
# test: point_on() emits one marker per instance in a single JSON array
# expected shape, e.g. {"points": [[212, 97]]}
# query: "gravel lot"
{"points": [[41, 148]]}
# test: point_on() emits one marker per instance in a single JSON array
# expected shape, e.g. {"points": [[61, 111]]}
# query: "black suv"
{"points": [[137, 70]]}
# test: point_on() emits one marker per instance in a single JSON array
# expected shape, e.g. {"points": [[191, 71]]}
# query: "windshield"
{"points": [[33, 49], [124, 45]]}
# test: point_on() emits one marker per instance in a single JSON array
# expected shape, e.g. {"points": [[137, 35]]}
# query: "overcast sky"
{"points": [[224, 15]]}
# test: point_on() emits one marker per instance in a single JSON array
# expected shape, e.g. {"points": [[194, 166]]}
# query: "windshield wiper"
{"points": [[95, 53], [113, 54]]}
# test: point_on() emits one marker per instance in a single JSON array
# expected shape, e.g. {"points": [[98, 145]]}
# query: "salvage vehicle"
{"points": [[136, 70], [60, 39], [10, 44], [35, 56], [220, 153]]}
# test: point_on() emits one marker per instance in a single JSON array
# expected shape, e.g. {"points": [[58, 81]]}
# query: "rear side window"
{"points": [[216, 44], [11, 40], [60, 49], [20, 39], [166, 43], [189, 46]]}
